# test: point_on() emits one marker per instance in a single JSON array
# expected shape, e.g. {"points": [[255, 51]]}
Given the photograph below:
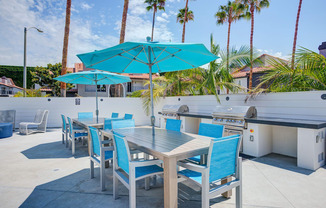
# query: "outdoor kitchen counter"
{"points": [[299, 123], [196, 115]]}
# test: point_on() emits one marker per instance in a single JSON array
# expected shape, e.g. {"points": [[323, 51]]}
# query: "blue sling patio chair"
{"points": [[209, 130], [99, 154], [114, 115], [128, 171], [85, 115], [108, 123], [128, 116], [64, 131], [223, 161], [172, 124], [75, 132]]}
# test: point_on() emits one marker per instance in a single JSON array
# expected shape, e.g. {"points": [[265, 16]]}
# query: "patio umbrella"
{"points": [[94, 77], [148, 57]]}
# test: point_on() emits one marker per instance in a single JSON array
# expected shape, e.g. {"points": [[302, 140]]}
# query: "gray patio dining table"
{"points": [[85, 122], [169, 146]]}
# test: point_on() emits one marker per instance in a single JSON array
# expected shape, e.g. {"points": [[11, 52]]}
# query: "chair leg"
{"points": [[92, 168], [102, 177], [115, 186], [73, 144], [132, 192], [146, 156], [205, 191], [67, 140], [63, 137], [238, 199]]}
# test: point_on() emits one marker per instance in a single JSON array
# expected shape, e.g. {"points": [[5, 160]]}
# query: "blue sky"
{"points": [[95, 24]]}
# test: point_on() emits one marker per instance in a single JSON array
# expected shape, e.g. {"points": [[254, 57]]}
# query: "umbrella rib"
{"points": [[133, 60], [146, 55], [135, 57], [119, 54], [159, 54], [173, 54]]}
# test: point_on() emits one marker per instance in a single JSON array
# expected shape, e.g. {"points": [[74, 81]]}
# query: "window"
{"points": [[129, 87], [92, 88]]}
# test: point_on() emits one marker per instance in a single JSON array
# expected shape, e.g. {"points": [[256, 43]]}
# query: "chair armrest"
{"points": [[145, 163], [111, 148], [106, 142], [193, 167]]}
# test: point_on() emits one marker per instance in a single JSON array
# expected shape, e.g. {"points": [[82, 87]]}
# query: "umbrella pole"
{"points": [[151, 90], [96, 101]]}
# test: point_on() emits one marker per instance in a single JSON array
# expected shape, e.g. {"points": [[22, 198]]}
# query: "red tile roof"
{"points": [[140, 76], [239, 74], [11, 86]]}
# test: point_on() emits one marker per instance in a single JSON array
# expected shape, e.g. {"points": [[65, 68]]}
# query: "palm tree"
{"points": [[154, 5], [254, 5], [65, 47], [229, 13], [183, 19], [217, 76], [296, 34], [124, 21]]}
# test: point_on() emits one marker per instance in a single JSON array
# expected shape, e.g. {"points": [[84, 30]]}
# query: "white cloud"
{"points": [[272, 53], [86, 6], [139, 24], [43, 48]]}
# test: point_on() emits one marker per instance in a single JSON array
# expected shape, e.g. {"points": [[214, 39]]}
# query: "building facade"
{"points": [[8, 87]]}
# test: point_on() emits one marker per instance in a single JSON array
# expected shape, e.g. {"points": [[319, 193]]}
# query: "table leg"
{"points": [[227, 194], [146, 157], [170, 183]]}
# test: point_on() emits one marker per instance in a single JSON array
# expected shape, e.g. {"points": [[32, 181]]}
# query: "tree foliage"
{"points": [[44, 77], [309, 73], [31, 93]]}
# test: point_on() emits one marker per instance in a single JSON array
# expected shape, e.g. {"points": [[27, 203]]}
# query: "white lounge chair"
{"points": [[40, 121]]}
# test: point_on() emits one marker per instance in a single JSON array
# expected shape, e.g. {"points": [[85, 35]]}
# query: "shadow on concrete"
{"points": [[284, 162], [78, 190], [54, 150]]}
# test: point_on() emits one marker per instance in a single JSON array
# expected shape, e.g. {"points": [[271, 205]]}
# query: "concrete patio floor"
{"points": [[38, 171]]}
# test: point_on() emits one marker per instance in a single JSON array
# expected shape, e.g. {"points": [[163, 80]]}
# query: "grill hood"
{"points": [[240, 112]]}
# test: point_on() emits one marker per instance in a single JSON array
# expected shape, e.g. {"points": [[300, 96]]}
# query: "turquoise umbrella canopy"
{"points": [[134, 57], [93, 77], [148, 57]]}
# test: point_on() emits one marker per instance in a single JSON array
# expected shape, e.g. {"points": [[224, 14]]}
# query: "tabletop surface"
{"points": [[166, 143]]}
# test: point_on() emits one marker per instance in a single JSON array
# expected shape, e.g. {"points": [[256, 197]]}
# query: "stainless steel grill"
{"points": [[171, 111], [233, 117]]}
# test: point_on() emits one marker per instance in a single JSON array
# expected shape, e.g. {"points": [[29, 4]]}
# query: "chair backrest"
{"points": [[172, 124], [128, 116], [70, 126], [39, 116], [95, 138], [85, 115], [128, 123], [64, 122], [211, 130], [108, 123], [114, 115], [223, 156], [43, 124], [122, 152]]}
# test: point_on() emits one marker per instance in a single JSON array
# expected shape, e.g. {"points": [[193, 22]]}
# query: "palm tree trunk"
{"points": [[252, 11], [65, 47], [184, 22], [124, 21], [153, 25], [228, 50], [296, 34]]}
